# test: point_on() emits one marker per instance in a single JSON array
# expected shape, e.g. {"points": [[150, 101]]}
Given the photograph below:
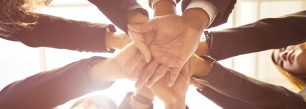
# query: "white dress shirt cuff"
{"points": [[207, 6]]}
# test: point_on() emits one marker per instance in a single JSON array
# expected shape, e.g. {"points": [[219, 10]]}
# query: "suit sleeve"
{"points": [[56, 32], [117, 10], [49, 89], [224, 101], [223, 10], [264, 34], [253, 92]]}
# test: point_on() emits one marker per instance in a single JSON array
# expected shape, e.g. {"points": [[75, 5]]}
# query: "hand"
{"points": [[117, 40], [128, 60], [173, 45], [174, 96], [135, 17]]}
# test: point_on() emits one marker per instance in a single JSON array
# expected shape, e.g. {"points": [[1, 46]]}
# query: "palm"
{"points": [[174, 93], [173, 45]]}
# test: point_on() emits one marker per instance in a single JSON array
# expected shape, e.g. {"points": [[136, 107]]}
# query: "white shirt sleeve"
{"points": [[207, 6]]}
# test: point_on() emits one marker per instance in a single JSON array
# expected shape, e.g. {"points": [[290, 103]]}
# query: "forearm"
{"points": [[224, 101], [49, 89], [258, 36], [52, 31], [117, 10], [263, 94]]}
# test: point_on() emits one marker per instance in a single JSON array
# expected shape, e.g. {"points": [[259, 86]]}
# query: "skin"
{"points": [[176, 39], [291, 58]]}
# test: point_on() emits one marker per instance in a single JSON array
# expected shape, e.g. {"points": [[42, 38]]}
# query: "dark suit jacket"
{"points": [[49, 89], [233, 90], [56, 32], [224, 9], [117, 10]]}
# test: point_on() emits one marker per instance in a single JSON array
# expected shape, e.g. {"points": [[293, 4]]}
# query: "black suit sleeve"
{"points": [[250, 91], [224, 9], [264, 34], [117, 10], [49, 89], [56, 32]]}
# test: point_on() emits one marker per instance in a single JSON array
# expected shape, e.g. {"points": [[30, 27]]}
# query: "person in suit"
{"points": [[245, 92], [48, 89]]}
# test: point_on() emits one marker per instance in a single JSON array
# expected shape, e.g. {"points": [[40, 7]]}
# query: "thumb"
{"points": [[143, 27]]}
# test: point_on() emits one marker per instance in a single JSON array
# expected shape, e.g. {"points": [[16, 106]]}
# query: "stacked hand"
{"points": [[173, 44]]}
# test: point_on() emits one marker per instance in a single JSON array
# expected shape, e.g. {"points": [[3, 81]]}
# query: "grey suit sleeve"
{"points": [[224, 9], [264, 34], [49, 89], [253, 92], [117, 10]]}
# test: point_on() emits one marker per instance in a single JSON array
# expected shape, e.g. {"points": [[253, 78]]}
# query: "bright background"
{"points": [[18, 61]]}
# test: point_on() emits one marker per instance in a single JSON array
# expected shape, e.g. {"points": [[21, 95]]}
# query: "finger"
{"points": [[136, 70], [165, 58], [143, 27], [161, 72], [173, 76], [139, 41], [144, 49], [147, 74]]}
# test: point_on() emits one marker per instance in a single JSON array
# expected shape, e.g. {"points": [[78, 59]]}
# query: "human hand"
{"points": [[173, 45], [115, 40], [174, 96], [128, 60], [141, 42]]}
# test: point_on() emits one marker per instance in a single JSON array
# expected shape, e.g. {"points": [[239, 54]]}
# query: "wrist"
{"points": [[100, 67], [206, 64], [136, 102], [196, 18], [203, 48], [164, 7], [175, 105], [136, 17]]}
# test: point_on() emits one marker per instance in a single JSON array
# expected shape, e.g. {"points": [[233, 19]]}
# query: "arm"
{"points": [[264, 34], [56, 32], [218, 10], [51, 88], [219, 98], [117, 10], [248, 90]]}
